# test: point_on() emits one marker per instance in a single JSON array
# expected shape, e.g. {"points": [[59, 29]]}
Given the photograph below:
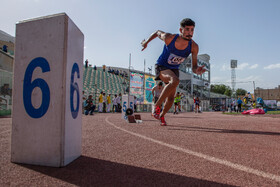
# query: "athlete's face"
{"points": [[187, 32]]}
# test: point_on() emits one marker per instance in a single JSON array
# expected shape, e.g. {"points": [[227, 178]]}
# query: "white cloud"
{"points": [[272, 66], [250, 78], [242, 66], [254, 66], [225, 67], [266, 85], [220, 80], [216, 79]]}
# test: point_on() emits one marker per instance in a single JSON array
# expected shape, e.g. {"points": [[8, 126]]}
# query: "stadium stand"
{"points": [[95, 81]]}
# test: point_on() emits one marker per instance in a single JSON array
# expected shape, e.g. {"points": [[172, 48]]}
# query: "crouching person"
{"points": [[89, 107]]}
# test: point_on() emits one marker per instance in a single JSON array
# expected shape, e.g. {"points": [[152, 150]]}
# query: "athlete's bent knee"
{"points": [[174, 81]]}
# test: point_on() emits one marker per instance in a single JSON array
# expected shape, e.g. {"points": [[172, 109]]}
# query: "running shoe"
{"points": [[162, 121], [157, 112]]}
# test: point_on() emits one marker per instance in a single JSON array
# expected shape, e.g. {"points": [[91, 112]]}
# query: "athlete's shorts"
{"points": [[176, 103], [159, 68]]}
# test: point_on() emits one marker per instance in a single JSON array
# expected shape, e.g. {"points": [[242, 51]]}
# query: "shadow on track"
{"points": [[184, 117], [215, 130], [86, 171]]}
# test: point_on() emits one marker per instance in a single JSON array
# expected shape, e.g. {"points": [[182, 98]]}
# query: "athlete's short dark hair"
{"points": [[187, 22]]}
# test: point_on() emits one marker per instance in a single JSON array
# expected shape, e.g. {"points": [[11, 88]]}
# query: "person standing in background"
{"points": [[86, 63], [109, 103], [100, 102]]}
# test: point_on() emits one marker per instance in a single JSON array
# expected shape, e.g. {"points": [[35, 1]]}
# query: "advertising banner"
{"points": [[136, 86], [149, 84]]}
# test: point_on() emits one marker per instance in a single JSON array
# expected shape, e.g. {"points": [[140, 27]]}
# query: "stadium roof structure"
{"points": [[6, 37]]}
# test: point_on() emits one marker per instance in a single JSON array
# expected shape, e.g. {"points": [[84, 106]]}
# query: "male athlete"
{"points": [[176, 49]]}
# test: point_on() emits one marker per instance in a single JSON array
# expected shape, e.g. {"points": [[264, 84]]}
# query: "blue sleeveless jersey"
{"points": [[172, 57]]}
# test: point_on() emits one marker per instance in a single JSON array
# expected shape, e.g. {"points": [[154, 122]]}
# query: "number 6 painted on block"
{"points": [[29, 86], [74, 87]]}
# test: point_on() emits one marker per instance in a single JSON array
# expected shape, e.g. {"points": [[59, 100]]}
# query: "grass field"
{"points": [[268, 112], [273, 112]]}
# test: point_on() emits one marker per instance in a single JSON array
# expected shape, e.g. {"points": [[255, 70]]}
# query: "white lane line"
{"points": [[203, 156]]}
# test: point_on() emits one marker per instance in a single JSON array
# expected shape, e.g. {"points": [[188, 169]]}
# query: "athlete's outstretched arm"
{"points": [[160, 34], [195, 68]]}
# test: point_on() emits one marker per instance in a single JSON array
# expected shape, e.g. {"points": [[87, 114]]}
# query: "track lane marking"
{"points": [[204, 156]]}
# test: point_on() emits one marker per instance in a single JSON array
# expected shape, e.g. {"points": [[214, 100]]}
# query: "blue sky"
{"points": [[245, 30]]}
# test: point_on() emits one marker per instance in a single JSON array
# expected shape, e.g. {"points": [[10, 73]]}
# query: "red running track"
{"points": [[204, 149]]}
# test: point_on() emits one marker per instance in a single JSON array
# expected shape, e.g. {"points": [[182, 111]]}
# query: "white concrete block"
{"points": [[47, 93], [127, 102]]}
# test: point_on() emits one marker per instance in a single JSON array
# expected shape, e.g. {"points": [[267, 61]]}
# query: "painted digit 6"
{"points": [[29, 86], [74, 87]]}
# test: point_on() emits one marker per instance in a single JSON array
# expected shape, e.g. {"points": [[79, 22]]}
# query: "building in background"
{"points": [[193, 85], [268, 94], [6, 51], [115, 80], [7, 43]]}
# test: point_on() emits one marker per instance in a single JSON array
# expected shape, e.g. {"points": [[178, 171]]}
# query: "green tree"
{"points": [[221, 89], [241, 91], [228, 92]]}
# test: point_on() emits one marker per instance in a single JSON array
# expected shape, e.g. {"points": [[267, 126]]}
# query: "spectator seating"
{"points": [[95, 81]]}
